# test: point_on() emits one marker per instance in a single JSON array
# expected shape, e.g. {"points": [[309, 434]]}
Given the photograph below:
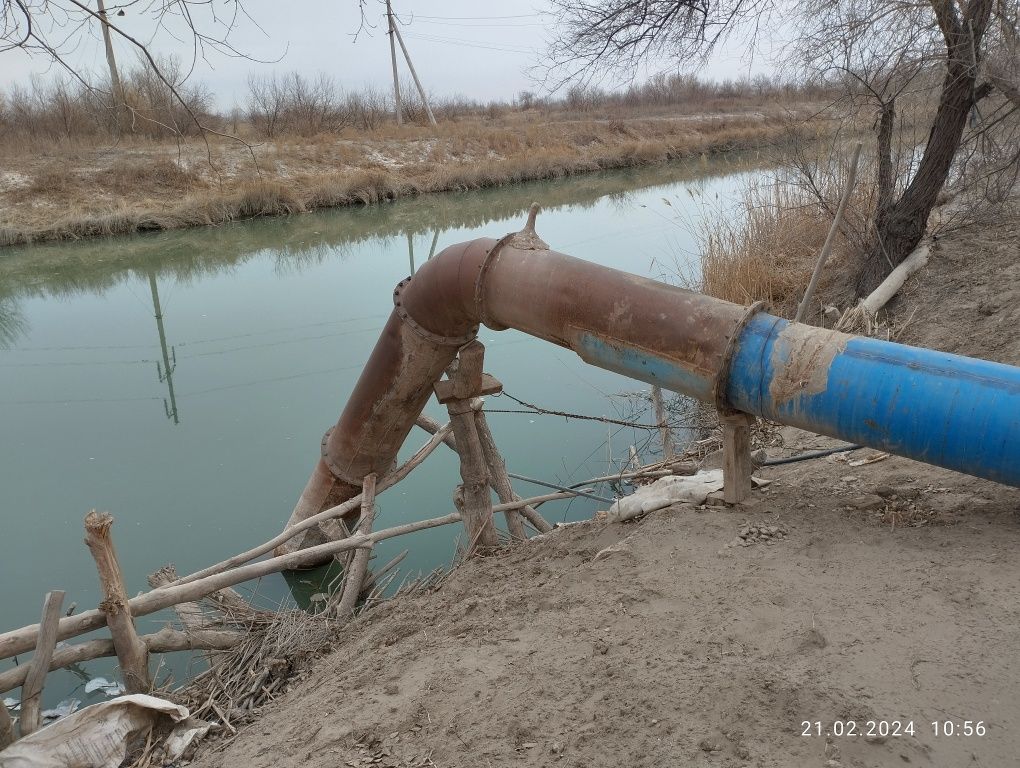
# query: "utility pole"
{"points": [[417, 82], [393, 61], [118, 92], [167, 373]]}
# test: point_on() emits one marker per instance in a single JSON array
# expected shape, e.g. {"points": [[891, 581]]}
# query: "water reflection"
{"points": [[305, 240], [13, 325]]}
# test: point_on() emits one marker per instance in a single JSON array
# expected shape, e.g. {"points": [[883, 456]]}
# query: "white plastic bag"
{"points": [[693, 489], [97, 736]]}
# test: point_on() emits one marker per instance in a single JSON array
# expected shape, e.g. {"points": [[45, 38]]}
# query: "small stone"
{"points": [[707, 745], [556, 748], [868, 502]]}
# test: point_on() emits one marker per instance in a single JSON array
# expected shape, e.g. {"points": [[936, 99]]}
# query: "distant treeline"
{"points": [[292, 104]]}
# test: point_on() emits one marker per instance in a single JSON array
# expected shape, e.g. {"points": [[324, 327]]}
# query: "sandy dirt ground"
{"points": [[877, 594]]}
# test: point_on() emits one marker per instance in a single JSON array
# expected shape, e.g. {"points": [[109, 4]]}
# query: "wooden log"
{"points": [[737, 466], [341, 509], [665, 433], [23, 639], [35, 679], [359, 564], [132, 653], [6, 727], [474, 489], [879, 297], [167, 640], [498, 477]]}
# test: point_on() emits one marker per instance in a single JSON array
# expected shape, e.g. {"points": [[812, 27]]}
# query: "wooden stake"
{"points": [[131, 651], [393, 61], [498, 477], [823, 256], [31, 693], [737, 465], [665, 434], [359, 564]]}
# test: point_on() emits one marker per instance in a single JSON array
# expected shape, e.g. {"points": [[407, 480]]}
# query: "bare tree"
{"points": [[882, 52], [53, 29]]}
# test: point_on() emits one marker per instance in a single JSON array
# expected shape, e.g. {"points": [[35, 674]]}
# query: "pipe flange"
{"points": [[719, 390], [425, 333], [324, 448], [490, 257]]}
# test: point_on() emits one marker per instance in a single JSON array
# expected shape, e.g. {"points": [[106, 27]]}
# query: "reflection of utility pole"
{"points": [[410, 252], [435, 239], [167, 372]]}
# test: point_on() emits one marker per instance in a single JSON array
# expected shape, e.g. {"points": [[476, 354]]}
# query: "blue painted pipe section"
{"points": [[952, 411], [948, 410]]}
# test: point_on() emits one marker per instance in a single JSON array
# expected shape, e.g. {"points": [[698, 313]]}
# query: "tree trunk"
{"points": [[900, 229]]}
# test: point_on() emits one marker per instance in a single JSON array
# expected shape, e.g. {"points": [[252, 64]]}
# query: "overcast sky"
{"points": [[482, 50]]}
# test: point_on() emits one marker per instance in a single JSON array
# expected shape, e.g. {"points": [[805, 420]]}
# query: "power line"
{"points": [[479, 18], [472, 44], [500, 25], [193, 342]]}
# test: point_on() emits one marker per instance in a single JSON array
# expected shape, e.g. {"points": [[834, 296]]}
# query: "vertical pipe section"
{"points": [[952, 411]]}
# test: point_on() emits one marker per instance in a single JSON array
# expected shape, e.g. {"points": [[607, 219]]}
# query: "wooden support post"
{"points": [[359, 563], [665, 434], [465, 383], [737, 465], [472, 498], [31, 692], [497, 475], [6, 727], [529, 513], [132, 652]]}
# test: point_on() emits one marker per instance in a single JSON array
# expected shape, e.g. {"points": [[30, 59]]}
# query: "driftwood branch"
{"points": [[359, 565], [374, 577], [165, 641], [859, 318], [24, 639], [132, 653], [341, 509], [837, 221], [31, 697]]}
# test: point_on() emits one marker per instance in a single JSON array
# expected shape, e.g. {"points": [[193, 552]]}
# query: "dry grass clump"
{"points": [[142, 190], [127, 176], [767, 249]]}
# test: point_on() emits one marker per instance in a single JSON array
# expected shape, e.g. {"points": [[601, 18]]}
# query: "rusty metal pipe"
{"points": [[567, 301], [682, 341]]}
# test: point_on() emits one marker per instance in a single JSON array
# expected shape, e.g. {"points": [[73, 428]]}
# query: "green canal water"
{"points": [[183, 381]]}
